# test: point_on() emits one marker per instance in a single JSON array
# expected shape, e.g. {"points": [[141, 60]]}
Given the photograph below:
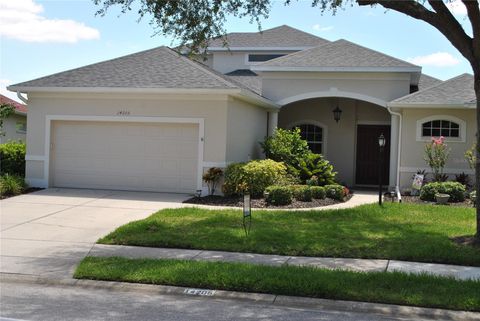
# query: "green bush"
{"points": [[286, 146], [334, 191], [279, 195], [454, 189], [12, 158], [318, 192], [316, 169], [254, 177], [11, 185], [301, 193]]}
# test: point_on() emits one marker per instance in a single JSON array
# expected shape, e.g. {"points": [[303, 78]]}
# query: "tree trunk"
{"points": [[476, 74]]}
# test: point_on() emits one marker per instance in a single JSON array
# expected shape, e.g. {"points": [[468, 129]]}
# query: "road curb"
{"points": [[275, 300]]}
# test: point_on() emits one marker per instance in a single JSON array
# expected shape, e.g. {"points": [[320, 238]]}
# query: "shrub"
{"points": [[463, 179], [12, 158], [454, 189], [315, 168], [301, 193], [254, 177], [286, 146], [11, 185], [211, 177], [336, 192], [318, 192], [279, 195]]}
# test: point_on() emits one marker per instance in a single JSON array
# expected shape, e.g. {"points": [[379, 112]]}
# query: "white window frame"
{"points": [[315, 123], [460, 122]]}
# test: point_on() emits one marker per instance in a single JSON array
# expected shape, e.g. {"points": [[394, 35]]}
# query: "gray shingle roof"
{"points": [[282, 36], [155, 68], [427, 81], [455, 91], [340, 53]]}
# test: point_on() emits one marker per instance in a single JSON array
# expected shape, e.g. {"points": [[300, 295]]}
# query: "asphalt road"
{"points": [[38, 302]]}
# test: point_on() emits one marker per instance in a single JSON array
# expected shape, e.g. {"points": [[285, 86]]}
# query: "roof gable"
{"points": [[279, 37], [337, 54], [455, 91]]}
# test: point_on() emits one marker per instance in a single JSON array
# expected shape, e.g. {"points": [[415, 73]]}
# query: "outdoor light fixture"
{"points": [[381, 143], [337, 112]]}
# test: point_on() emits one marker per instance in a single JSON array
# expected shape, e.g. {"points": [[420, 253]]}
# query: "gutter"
{"points": [[23, 99], [400, 124]]}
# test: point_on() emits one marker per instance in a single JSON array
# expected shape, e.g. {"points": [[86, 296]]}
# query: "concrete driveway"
{"points": [[48, 232]]}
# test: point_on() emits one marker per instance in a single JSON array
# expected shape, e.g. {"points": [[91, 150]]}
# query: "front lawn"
{"points": [[382, 287], [408, 232]]}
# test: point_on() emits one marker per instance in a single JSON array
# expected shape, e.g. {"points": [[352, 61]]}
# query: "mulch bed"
{"points": [[259, 203], [27, 191], [416, 199]]}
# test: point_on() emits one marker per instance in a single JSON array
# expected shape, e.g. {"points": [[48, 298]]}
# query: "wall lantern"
{"points": [[337, 112], [381, 141]]}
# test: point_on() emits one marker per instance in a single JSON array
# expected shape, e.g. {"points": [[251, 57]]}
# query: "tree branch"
{"points": [[473, 12], [441, 19]]}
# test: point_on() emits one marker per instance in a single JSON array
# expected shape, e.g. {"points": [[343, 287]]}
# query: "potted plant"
{"points": [[442, 198]]}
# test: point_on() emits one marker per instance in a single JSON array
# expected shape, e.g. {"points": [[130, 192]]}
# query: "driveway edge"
{"points": [[276, 300]]}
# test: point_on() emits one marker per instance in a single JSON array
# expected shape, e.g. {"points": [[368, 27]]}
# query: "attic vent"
{"points": [[262, 57], [413, 88]]}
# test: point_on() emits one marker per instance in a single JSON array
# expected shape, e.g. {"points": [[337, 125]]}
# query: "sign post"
{"points": [[247, 213]]}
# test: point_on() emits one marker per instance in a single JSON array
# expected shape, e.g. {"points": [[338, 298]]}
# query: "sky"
{"points": [[39, 38]]}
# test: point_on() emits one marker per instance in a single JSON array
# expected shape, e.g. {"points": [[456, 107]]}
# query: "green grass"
{"points": [[397, 231], [382, 287]]}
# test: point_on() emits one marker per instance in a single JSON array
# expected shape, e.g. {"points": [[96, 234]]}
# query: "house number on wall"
{"points": [[123, 113]]}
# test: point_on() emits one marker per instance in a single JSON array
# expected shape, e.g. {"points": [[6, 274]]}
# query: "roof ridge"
{"points": [[442, 82], [373, 50]]}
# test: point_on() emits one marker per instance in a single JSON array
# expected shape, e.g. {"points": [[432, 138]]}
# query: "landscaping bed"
{"points": [[380, 287], [417, 200], [237, 201], [409, 232]]}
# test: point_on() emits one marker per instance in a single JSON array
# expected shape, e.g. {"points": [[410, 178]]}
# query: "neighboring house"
{"points": [[15, 126], [155, 120]]}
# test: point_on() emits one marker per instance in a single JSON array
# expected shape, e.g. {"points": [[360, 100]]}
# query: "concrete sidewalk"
{"points": [[362, 265]]}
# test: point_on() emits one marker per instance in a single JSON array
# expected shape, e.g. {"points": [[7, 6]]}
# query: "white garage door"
{"points": [[161, 157]]}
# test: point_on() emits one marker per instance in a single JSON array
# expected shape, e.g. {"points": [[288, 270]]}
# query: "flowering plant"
{"points": [[436, 155]]}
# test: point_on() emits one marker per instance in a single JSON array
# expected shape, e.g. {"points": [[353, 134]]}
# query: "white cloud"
{"points": [[438, 59], [22, 20], [3, 89], [320, 28], [457, 7]]}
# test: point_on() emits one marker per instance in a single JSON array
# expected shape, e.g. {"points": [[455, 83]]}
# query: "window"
{"points": [[262, 57], [21, 127], [437, 128], [313, 135]]}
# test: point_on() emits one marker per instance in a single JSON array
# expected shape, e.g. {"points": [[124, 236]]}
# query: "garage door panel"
{"points": [[127, 156]]}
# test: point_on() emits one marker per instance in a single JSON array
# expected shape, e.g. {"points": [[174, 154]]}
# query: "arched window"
{"points": [[437, 128], [450, 127], [314, 136]]}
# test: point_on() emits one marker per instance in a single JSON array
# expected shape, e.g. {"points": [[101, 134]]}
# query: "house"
{"points": [[15, 126], [155, 120]]}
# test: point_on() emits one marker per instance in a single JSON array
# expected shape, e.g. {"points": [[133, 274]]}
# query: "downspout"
{"points": [[23, 99], [400, 123]]}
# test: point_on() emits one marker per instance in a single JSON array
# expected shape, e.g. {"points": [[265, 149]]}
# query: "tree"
{"points": [[5, 111], [194, 22]]}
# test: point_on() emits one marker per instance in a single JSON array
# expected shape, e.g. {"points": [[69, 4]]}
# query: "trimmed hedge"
{"points": [[254, 177], [336, 192], [302, 193], [318, 192], [12, 158], [454, 189], [279, 195]]}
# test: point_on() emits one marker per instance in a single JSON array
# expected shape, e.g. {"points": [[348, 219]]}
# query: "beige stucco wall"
{"points": [[385, 87], [212, 108], [340, 144], [412, 155], [228, 61], [10, 129], [247, 126]]}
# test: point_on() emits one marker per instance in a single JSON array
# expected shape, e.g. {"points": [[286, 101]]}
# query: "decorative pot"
{"points": [[442, 198]]}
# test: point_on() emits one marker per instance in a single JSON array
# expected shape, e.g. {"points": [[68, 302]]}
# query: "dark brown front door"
{"points": [[368, 154]]}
